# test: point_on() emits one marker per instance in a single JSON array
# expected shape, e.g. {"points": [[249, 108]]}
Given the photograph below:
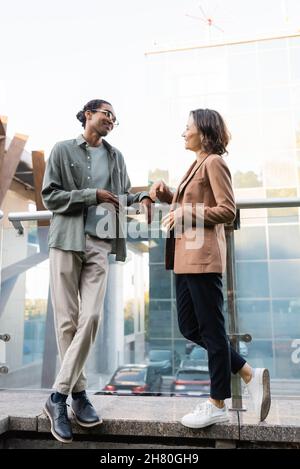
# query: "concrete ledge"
{"points": [[4, 424], [23, 424], [282, 424], [156, 418], [148, 416]]}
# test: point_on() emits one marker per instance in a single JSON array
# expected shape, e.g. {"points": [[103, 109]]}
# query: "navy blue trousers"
{"points": [[200, 318]]}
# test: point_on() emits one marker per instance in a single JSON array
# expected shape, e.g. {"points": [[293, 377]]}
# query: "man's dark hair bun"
{"points": [[80, 116]]}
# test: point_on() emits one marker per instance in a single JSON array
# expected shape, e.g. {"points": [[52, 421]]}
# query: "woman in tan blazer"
{"points": [[196, 250]]}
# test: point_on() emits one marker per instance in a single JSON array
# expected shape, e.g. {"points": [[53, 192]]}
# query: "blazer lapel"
{"points": [[187, 177]]}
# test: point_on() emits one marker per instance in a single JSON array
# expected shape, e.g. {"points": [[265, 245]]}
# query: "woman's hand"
{"points": [[172, 218], [159, 190], [168, 221]]}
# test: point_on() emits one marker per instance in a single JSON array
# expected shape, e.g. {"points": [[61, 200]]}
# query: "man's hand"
{"points": [[160, 190], [147, 206], [104, 196]]}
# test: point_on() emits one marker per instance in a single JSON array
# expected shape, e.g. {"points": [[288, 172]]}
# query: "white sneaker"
{"points": [[259, 390], [204, 415]]}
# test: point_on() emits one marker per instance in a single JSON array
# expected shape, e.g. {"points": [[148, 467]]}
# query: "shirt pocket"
{"points": [[77, 173]]}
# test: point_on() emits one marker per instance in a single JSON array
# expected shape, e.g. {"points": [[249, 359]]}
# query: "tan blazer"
{"points": [[207, 182]]}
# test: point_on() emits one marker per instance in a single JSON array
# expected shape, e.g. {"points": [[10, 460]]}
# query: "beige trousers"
{"points": [[78, 285]]}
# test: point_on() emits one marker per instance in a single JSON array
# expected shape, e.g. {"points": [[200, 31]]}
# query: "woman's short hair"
{"points": [[90, 106], [211, 126]]}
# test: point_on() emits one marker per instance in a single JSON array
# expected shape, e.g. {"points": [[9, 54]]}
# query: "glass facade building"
{"points": [[256, 87]]}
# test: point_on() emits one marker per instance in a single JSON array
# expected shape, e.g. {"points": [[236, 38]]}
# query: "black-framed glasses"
{"points": [[108, 114]]}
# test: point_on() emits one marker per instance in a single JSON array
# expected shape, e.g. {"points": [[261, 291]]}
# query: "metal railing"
{"points": [[233, 321], [16, 218], [3, 337], [268, 203]]}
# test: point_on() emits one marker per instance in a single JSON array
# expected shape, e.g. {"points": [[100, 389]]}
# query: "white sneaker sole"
{"points": [[264, 381], [212, 421]]}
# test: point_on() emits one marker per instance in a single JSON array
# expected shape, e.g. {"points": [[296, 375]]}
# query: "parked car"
{"points": [[166, 361], [134, 379], [191, 382], [198, 355]]}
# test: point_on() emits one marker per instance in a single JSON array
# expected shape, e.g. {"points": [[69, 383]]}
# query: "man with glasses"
{"points": [[81, 175]]}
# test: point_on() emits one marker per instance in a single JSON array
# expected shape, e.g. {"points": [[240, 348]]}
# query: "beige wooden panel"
{"points": [[3, 125], [38, 166], [10, 163]]}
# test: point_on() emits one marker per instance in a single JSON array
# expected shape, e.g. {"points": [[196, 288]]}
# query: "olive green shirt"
{"points": [[68, 192], [100, 178]]}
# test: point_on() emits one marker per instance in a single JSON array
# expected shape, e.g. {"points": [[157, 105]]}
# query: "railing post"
{"points": [[3, 366], [233, 321], [3, 337]]}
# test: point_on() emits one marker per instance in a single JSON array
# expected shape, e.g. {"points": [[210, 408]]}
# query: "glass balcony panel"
{"points": [[2, 344], [140, 317], [268, 291], [23, 304]]}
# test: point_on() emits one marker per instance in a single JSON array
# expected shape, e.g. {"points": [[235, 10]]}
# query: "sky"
{"points": [[57, 55]]}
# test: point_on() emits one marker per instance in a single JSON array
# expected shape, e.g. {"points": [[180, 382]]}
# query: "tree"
{"points": [[246, 179]]}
